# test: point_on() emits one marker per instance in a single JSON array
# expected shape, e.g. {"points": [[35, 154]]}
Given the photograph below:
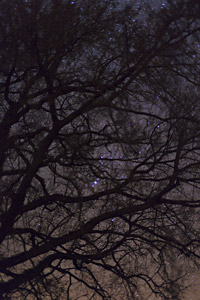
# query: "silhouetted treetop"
{"points": [[99, 148]]}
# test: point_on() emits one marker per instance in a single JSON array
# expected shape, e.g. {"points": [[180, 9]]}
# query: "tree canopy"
{"points": [[99, 148]]}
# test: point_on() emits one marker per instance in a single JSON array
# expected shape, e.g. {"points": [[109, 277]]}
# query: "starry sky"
{"points": [[193, 293]]}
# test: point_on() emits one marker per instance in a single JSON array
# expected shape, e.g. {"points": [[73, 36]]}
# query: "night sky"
{"points": [[109, 159]]}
